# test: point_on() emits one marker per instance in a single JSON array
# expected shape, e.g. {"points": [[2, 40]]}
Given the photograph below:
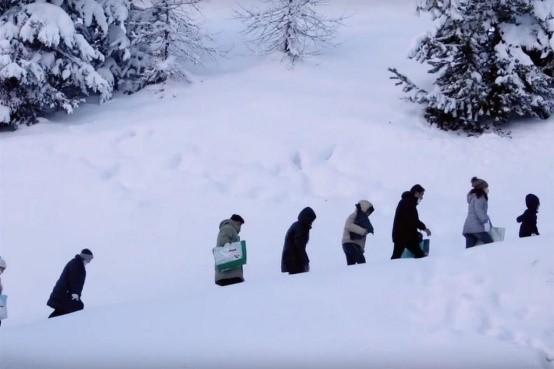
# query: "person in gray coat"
{"points": [[477, 224], [356, 229], [229, 230]]}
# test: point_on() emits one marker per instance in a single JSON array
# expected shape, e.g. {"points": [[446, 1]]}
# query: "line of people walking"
{"points": [[406, 230], [406, 235]]}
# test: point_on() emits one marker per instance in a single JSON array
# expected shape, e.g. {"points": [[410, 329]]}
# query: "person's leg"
{"points": [[349, 252], [484, 237], [416, 250], [359, 255], [397, 251], [57, 312], [471, 240]]}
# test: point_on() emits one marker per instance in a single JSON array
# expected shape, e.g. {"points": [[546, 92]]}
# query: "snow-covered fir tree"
{"points": [[292, 27], [45, 63], [165, 36], [492, 60], [103, 24]]}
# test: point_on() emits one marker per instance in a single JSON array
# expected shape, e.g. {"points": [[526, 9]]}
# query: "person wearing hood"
{"points": [[356, 229], [294, 258], [66, 295], [406, 225], [477, 224], [528, 219], [2, 268], [229, 230]]}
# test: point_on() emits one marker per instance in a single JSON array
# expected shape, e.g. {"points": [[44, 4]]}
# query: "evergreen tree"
{"points": [[103, 24], [292, 27], [45, 64], [165, 37], [492, 59]]}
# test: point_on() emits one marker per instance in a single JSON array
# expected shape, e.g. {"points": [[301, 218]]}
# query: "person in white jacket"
{"points": [[477, 224]]}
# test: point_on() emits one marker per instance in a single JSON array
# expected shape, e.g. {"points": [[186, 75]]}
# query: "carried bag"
{"points": [[3, 307], [497, 233], [230, 255], [424, 245]]}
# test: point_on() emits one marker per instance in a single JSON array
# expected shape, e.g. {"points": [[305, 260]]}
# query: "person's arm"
{"points": [[480, 205], [301, 238], [75, 277]]}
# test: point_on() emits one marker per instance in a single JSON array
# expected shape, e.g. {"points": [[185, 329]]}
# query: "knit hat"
{"points": [[478, 183], [86, 255], [2, 263], [237, 218], [364, 205]]}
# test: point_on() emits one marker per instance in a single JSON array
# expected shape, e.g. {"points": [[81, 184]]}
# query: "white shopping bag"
{"points": [[230, 255], [3, 307], [497, 233]]}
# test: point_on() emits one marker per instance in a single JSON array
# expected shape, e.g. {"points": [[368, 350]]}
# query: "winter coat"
{"points": [[294, 258], [528, 219], [71, 281], [476, 214], [228, 233], [357, 226], [406, 221]]}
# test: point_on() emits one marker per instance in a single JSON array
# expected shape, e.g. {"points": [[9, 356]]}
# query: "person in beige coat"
{"points": [[356, 229], [229, 230]]}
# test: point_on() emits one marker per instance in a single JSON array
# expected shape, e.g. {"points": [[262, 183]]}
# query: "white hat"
{"points": [[2, 263]]}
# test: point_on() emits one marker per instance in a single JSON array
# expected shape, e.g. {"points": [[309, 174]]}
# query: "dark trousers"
{"points": [[473, 238], [354, 254], [58, 312], [412, 247]]}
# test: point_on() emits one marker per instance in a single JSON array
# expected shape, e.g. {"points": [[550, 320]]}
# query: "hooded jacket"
{"points": [[71, 281], [357, 225], [228, 233], [476, 214], [406, 221], [528, 219], [294, 258]]}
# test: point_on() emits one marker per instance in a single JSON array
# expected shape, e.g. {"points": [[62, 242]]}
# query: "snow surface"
{"points": [[144, 180]]}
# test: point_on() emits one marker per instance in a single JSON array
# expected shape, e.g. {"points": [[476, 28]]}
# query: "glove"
{"points": [[75, 297], [487, 226]]}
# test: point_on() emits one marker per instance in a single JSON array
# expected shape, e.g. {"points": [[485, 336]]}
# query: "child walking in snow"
{"points": [[528, 219]]}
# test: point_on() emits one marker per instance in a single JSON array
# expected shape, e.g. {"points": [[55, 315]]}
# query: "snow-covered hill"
{"points": [[144, 180]]}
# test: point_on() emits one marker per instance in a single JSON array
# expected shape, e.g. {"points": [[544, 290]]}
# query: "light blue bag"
{"points": [[424, 245], [3, 307]]}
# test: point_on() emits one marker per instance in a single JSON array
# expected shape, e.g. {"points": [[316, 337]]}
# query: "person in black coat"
{"points": [[295, 259], [405, 234], [66, 295], [528, 219]]}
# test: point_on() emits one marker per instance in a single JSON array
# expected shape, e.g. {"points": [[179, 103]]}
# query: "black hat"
{"points": [[237, 218], [417, 188], [86, 254]]}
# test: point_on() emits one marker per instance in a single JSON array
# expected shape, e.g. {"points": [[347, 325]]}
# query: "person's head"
{"points": [[307, 216], [238, 220], [479, 185], [2, 265], [417, 191], [365, 206], [86, 255], [532, 202]]}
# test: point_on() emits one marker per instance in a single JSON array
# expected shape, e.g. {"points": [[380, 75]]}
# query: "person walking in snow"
{"points": [[477, 224], [406, 225], [294, 258], [66, 295], [356, 229], [229, 230], [2, 268], [528, 219]]}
